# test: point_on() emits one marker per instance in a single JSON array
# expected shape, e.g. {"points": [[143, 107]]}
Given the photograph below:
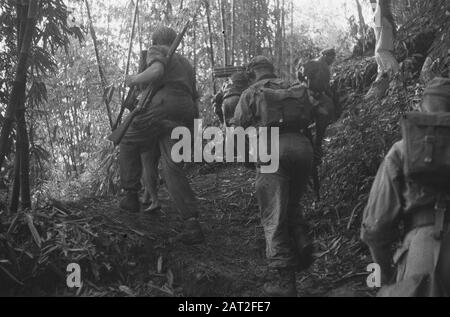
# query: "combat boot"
{"points": [[130, 203], [192, 233], [283, 284]]}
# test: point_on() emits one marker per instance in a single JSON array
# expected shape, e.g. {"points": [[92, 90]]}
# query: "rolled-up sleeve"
{"points": [[383, 212], [157, 54]]}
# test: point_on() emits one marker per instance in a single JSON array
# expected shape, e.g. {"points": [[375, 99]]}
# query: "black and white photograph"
{"points": [[223, 155]]}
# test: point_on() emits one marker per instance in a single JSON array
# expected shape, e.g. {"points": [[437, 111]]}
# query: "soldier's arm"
{"points": [[380, 227], [156, 65], [152, 74]]}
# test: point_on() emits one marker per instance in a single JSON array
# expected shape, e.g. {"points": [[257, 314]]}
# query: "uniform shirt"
{"points": [[179, 77], [391, 198], [173, 105], [247, 108]]}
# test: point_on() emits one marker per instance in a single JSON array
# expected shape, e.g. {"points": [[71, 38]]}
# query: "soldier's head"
{"points": [[329, 55], [164, 36], [260, 66], [240, 79], [436, 97]]}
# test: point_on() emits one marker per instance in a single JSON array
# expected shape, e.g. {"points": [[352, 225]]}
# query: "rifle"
{"points": [[150, 92], [133, 93]]}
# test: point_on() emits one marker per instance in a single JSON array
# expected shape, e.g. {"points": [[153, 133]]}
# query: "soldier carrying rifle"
{"points": [[173, 105]]}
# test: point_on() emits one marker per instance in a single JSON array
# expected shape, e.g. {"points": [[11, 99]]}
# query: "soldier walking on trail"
{"points": [[226, 100], [173, 106], [412, 188], [288, 246], [317, 75]]}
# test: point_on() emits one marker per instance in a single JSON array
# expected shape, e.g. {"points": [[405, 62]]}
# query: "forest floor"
{"points": [[232, 260]]}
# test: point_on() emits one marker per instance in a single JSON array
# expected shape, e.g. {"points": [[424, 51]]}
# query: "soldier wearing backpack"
{"points": [[272, 102], [412, 188], [317, 76], [226, 100]]}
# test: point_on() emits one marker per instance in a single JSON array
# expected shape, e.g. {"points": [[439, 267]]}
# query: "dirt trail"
{"points": [[232, 261]]}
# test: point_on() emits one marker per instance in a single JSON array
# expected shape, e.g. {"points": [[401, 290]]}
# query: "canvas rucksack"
{"points": [[427, 161], [318, 75], [427, 145], [280, 105]]}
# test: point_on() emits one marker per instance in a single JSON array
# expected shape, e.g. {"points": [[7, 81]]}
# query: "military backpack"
{"points": [[283, 106], [427, 144]]}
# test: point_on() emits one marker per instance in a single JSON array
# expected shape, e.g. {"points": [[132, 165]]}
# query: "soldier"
{"points": [[174, 105], [317, 75], [288, 247], [231, 95], [419, 201], [226, 100]]}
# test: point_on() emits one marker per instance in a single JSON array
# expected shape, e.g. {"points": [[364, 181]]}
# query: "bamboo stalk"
{"points": [[291, 53], [233, 31], [101, 73], [224, 32], [211, 45], [17, 97], [23, 150], [15, 194], [130, 44], [362, 23], [127, 70]]}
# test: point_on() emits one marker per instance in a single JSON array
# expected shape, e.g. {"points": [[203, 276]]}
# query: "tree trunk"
{"points": [[130, 50], [278, 34], [233, 31], [224, 32], [15, 195], [194, 26], [23, 150], [252, 35], [291, 50], [17, 96], [362, 26], [127, 70], [283, 39], [99, 63], [211, 44], [22, 11], [94, 39]]}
